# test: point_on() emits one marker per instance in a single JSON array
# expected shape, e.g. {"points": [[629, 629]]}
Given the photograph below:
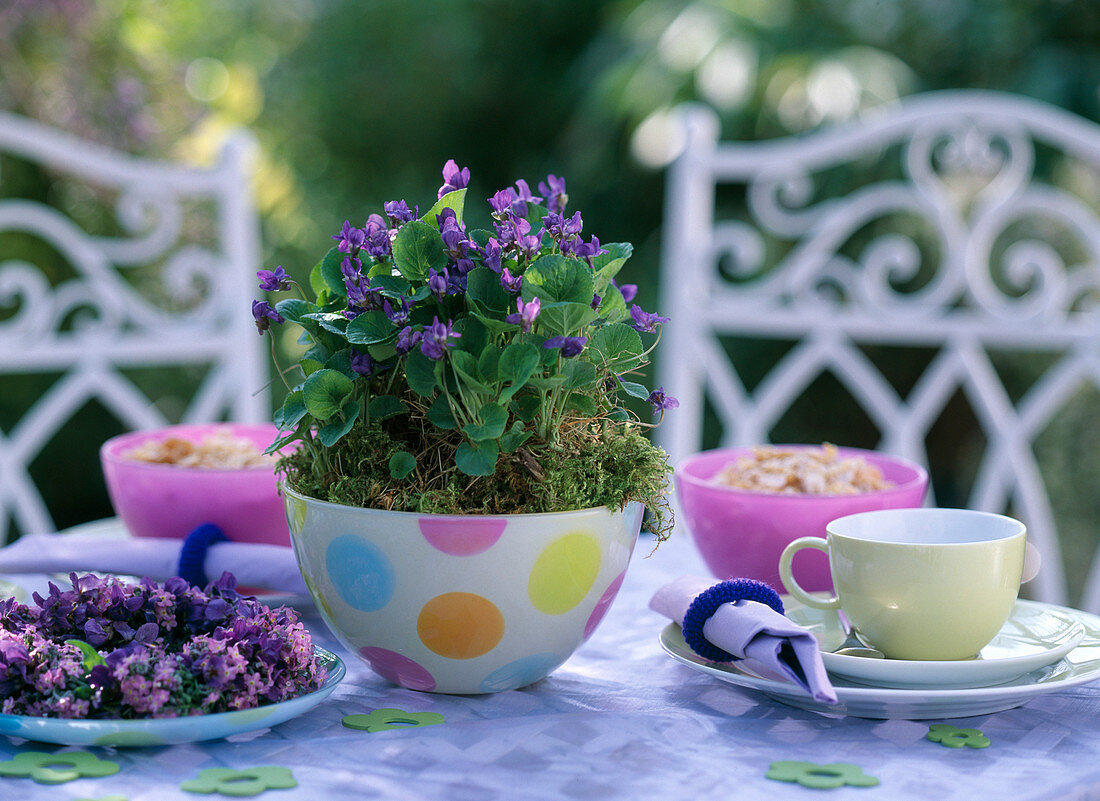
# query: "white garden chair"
{"points": [[190, 306], [1009, 262]]}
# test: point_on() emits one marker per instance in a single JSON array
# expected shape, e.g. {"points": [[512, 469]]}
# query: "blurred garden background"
{"points": [[356, 102]]}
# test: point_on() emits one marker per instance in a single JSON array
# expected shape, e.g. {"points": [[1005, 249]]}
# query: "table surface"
{"points": [[620, 719]]}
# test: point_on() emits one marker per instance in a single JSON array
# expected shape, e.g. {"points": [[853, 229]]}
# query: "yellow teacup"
{"points": [[920, 583]]}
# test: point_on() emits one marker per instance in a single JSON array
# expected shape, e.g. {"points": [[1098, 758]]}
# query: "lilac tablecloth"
{"points": [[620, 720]]}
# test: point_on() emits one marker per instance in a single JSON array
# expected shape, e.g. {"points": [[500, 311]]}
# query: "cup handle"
{"points": [[785, 562]]}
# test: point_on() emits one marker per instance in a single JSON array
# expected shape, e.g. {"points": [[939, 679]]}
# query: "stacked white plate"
{"points": [[1041, 649]]}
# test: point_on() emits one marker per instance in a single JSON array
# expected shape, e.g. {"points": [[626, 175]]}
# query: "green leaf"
{"points": [[613, 305], [380, 268], [330, 321], [617, 344], [316, 280], [585, 404], [287, 438], [392, 286], [607, 265], [420, 374], [556, 278], [452, 200], [465, 367], [635, 390], [487, 364], [330, 272], [578, 373], [493, 419], [495, 326], [369, 328], [292, 411], [514, 438], [517, 363], [294, 309], [440, 415], [341, 360], [619, 415], [383, 407], [477, 458], [566, 317], [331, 433], [325, 391], [382, 351], [474, 336], [525, 407], [91, 655], [483, 285], [417, 248], [401, 464], [309, 366]]}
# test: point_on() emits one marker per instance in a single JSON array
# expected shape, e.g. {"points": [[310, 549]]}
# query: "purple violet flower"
{"points": [[437, 338], [438, 283], [553, 189], [265, 315], [596, 299], [362, 363], [351, 268], [525, 315], [570, 346], [377, 235], [407, 340], [661, 401], [511, 283], [453, 178], [273, 280], [492, 254], [398, 212], [350, 238], [629, 291], [501, 202], [644, 321], [398, 316]]}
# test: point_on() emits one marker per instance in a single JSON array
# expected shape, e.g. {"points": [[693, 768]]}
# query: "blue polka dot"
{"points": [[360, 572], [520, 673]]}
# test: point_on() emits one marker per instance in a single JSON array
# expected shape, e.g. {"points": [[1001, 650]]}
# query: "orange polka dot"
{"points": [[460, 625]]}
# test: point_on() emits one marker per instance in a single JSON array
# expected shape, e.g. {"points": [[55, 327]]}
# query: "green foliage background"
{"points": [[357, 102]]}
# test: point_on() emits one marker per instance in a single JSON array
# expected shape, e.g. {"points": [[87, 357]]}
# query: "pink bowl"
{"points": [[165, 500], [740, 534]]}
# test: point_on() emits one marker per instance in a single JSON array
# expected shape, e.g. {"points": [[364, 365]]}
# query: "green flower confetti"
{"points": [[385, 719], [820, 777], [251, 781], [947, 735], [58, 768]]}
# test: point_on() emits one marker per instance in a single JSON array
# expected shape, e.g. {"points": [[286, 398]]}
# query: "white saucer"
{"points": [[1035, 635], [1080, 666]]}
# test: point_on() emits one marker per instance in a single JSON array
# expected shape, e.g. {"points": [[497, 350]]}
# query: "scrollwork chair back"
{"points": [[961, 245], [156, 290]]}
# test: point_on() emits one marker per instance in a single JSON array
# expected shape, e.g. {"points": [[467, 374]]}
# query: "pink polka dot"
{"points": [[398, 668], [603, 605], [462, 536]]}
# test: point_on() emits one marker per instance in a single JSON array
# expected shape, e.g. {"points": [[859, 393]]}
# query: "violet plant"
{"points": [[105, 649], [500, 341]]}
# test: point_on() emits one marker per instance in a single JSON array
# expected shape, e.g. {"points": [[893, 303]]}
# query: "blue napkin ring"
{"points": [[706, 604], [193, 553]]}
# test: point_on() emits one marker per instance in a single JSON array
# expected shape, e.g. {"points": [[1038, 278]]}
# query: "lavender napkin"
{"points": [[271, 567], [770, 644]]}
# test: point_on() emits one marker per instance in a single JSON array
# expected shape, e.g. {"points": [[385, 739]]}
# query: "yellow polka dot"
{"points": [[295, 513], [460, 625], [564, 573]]}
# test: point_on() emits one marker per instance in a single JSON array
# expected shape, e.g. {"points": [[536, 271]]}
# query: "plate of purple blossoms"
{"points": [[110, 663]]}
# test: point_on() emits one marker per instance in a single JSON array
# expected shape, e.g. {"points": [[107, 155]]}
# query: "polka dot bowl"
{"points": [[461, 603]]}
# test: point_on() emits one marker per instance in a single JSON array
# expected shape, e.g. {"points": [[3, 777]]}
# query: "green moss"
{"points": [[603, 465]]}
